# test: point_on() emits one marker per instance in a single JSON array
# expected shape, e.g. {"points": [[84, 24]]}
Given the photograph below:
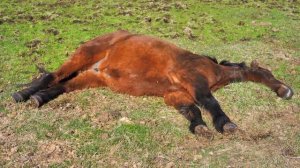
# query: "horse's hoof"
{"points": [[285, 92], [202, 130], [18, 97], [230, 128], [36, 100]]}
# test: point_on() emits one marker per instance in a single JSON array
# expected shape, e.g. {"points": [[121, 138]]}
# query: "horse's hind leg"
{"points": [[184, 103], [83, 58], [72, 66], [80, 61], [88, 54], [36, 85], [86, 79]]}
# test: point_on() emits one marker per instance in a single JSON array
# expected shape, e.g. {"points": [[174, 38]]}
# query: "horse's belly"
{"points": [[138, 86]]}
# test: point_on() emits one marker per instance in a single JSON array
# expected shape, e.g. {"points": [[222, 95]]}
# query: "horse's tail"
{"points": [[41, 70]]}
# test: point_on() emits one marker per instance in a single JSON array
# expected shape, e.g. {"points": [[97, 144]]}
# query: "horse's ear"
{"points": [[254, 64]]}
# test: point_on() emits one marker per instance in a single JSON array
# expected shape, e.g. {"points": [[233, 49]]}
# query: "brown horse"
{"points": [[142, 65]]}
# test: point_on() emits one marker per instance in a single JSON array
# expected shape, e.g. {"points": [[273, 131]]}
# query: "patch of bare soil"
{"points": [[33, 43], [105, 119], [45, 153], [51, 31], [50, 152], [8, 144]]}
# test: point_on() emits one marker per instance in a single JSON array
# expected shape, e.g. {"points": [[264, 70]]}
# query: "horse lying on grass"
{"points": [[142, 65]]}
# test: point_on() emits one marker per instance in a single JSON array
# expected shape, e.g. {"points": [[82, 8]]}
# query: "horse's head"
{"points": [[266, 77]]}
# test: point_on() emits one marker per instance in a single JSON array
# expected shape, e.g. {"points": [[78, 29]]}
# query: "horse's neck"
{"points": [[229, 75]]}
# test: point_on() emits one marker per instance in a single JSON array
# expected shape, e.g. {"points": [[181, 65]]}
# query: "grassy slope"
{"points": [[84, 128]]}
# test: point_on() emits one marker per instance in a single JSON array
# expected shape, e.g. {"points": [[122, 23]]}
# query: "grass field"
{"points": [[99, 128]]}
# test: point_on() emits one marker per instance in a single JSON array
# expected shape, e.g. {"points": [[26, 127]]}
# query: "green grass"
{"points": [[85, 128]]}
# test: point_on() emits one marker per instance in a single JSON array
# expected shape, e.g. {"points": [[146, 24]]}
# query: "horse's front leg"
{"points": [[221, 121], [261, 75], [204, 97], [185, 104]]}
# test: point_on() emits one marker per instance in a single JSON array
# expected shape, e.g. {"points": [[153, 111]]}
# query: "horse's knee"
{"points": [[181, 101]]}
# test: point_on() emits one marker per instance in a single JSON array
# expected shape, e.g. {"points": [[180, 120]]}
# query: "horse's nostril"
{"points": [[285, 92]]}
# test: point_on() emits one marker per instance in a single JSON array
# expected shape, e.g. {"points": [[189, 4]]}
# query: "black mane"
{"points": [[212, 58], [225, 62]]}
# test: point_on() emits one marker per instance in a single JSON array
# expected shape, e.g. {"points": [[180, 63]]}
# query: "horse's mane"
{"points": [[226, 63], [212, 58]]}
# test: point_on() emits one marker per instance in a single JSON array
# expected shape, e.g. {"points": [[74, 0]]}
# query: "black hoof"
{"points": [[220, 121], [35, 86], [285, 92], [19, 97], [288, 94], [44, 96], [230, 128], [37, 101], [203, 131]]}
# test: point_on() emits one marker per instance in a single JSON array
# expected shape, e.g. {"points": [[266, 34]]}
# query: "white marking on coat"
{"points": [[96, 66]]}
